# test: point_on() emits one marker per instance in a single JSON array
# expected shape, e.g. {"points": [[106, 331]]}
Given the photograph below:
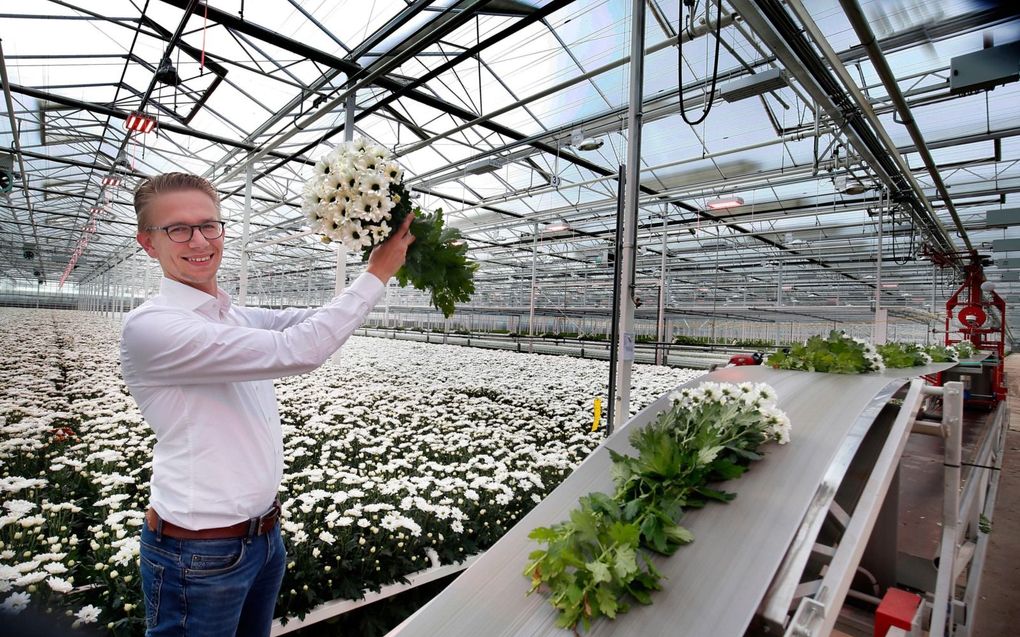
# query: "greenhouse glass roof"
{"points": [[511, 116]]}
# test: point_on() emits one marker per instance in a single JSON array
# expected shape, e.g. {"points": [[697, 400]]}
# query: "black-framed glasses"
{"points": [[182, 232]]}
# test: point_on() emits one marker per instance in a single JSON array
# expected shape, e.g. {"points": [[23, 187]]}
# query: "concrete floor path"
{"points": [[998, 609]]}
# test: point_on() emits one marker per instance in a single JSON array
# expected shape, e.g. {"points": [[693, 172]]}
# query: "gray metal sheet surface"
{"points": [[713, 586], [924, 370]]}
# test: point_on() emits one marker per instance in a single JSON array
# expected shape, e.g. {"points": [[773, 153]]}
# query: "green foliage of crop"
{"points": [[836, 354], [900, 355]]}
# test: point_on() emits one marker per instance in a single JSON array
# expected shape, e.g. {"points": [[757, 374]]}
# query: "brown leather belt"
{"points": [[255, 526]]}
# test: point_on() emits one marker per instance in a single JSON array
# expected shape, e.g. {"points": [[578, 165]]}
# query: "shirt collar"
{"points": [[192, 299]]}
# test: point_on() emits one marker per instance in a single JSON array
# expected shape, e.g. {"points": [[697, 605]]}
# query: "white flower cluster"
{"points": [[871, 355], [963, 349], [387, 476], [348, 197], [755, 399]]}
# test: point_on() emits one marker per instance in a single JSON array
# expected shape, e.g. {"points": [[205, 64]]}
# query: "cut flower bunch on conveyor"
{"points": [[942, 354], [837, 353], [599, 559], [965, 349], [900, 355]]}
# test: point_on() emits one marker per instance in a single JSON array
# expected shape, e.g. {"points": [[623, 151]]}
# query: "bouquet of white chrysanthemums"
{"points": [[356, 196]]}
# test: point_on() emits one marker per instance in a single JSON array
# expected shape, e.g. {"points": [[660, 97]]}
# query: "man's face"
{"points": [[194, 262]]}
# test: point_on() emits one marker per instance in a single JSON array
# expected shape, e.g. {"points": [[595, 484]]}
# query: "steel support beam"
{"points": [[769, 19]]}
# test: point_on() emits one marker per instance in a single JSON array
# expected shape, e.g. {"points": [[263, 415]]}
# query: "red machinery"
{"points": [[970, 305], [738, 360]]}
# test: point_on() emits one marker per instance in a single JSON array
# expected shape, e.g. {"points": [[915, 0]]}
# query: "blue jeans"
{"points": [[211, 588]]}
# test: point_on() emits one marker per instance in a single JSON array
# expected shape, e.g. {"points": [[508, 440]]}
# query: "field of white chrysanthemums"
{"points": [[400, 456]]}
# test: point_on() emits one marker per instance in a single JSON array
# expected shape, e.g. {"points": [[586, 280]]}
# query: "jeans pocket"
{"points": [[152, 585], [215, 557], [155, 551]]}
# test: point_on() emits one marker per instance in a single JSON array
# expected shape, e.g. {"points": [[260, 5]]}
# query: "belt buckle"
{"points": [[270, 515]]}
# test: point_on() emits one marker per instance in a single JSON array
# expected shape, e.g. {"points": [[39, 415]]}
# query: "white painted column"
{"points": [[341, 251], [625, 348], [660, 328], [242, 284], [531, 303], [880, 328]]}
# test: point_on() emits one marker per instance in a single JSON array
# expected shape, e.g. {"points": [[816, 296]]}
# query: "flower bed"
{"points": [[400, 456]]}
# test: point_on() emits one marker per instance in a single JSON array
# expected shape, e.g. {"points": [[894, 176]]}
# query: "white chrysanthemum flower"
{"points": [[323, 167], [310, 206], [380, 233], [765, 393], [354, 236], [781, 428], [344, 164], [711, 392], [357, 210], [87, 615], [59, 585], [371, 184], [379, 152], [16, 603], [19, 506], [370, 204], [348, 178], [392, 172], [367, 162], [386, 206], [327, 537], [31, 578]]}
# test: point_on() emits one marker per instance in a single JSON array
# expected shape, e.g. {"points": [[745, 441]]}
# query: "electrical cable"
{"points": [[715, 64], [910, 250]]}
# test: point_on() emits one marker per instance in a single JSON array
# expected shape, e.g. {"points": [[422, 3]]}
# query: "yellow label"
{"points": [[598, 414]]}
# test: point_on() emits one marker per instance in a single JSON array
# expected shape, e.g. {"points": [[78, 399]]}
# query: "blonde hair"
{"points": [[170, 182]]}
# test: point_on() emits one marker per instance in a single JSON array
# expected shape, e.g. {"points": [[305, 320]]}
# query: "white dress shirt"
{"points": [[201, 370]]}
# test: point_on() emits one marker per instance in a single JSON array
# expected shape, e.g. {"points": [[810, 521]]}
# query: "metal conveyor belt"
{"points": [[715, 585]]}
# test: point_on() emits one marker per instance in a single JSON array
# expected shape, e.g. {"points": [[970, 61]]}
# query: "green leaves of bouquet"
{"points": [[437, 260], [599, 559], [356, 195], [899, 355], [941, 354], [836, 354], [965, 349]]}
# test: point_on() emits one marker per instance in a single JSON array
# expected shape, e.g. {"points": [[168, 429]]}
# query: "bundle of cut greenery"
{"points": [[941, 354], [899, 355], [965, 349], [598, 560], [837, 354]]}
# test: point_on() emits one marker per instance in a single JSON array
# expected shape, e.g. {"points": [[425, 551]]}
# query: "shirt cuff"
{"points": [[368, 287]]}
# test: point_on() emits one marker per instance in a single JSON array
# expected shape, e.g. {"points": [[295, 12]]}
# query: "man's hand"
{"points": [[389, 256]]}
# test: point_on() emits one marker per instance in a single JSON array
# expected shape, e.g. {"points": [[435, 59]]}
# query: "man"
{"points": [[201, 370]]}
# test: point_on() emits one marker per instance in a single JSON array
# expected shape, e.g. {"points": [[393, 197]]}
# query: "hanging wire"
{"points": [[715, 65], [913, 231]]}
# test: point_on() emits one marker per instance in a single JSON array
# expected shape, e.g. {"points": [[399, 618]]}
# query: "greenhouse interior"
{"points": [[509, 317]]}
